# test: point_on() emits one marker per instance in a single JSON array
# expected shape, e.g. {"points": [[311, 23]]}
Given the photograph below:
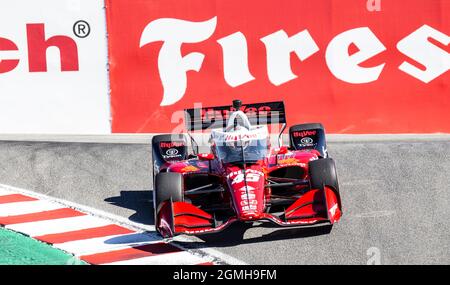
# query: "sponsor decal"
{"points": [[261, 113], [251, 175], [172, 152], [251, 195], [303, 134], [307, 141], [210, 114], [220, 137], [247, 188], [249, 202], [247, 195], [239, 137], [170, 144], [288, 161], [189, 168]]}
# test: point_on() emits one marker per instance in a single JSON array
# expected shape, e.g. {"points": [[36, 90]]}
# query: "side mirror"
{"points": [[205, 156], [283, 150]]}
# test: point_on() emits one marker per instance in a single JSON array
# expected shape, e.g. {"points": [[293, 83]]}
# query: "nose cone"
{"points": [[248, 192]]}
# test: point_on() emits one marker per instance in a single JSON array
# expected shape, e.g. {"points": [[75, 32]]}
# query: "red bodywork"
{"points": [[246, 195]]}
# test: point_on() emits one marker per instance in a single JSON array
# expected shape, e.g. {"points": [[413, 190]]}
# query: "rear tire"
{"points": [[168, 185], [323, 172]]}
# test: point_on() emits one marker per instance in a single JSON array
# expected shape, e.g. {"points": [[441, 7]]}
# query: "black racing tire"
{"points": [[323, 172], [168, 185]]}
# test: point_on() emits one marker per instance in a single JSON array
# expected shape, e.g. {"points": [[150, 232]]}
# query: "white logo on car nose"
{"points": [[172, 151], [307, 140]]}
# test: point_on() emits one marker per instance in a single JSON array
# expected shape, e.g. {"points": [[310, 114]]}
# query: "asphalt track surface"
{"points": [[396, 199]]}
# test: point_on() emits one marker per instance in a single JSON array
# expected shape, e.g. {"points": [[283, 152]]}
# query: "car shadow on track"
{"points": [[138, 200], [234, 235]]}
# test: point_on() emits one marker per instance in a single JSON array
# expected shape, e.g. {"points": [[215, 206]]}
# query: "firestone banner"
{"points": [[356, 66]]}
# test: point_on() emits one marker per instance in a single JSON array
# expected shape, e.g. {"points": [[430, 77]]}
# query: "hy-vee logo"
{"points": [[171, 144], [303, 134], [173, 66]]}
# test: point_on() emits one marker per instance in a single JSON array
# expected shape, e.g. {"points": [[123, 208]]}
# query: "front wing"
{"points": [[315, 207]]}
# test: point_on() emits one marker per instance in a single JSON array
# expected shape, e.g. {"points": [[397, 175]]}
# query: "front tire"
{"points": [[322, 172]]}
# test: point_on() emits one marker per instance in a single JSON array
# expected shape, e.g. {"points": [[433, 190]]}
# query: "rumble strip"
{"points": [[92, 238]]}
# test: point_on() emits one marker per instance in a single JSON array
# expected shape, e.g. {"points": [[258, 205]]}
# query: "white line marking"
{"points": [[4, 192], [28, 207], [176, 258], [58, 225], [105, 244]]}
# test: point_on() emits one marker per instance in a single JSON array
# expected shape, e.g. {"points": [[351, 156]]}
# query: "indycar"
{"points": [[243, 178]]}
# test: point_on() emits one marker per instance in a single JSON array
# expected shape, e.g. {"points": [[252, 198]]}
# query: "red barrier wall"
{"points": [[325, 87]]}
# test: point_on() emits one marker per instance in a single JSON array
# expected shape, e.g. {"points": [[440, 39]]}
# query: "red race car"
{"points": [[243, 178]]}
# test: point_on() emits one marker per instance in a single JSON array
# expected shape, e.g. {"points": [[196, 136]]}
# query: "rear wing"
{"points": [[216, 117]]}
